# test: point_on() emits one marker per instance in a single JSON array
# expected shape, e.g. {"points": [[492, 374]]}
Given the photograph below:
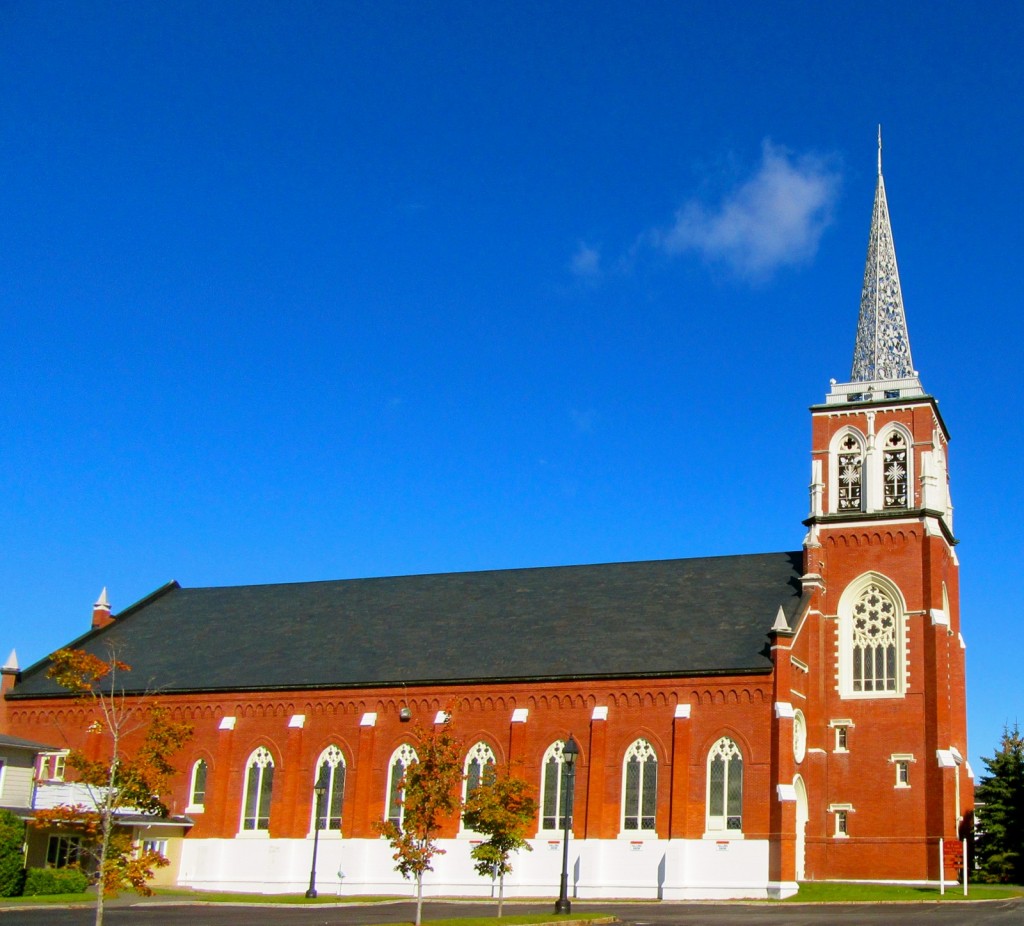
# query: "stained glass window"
{"points": [[640, 787]]}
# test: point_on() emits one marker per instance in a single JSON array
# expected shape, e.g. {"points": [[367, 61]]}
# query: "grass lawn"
{"points": [[43, 899], [225, 897], [840, 892]]}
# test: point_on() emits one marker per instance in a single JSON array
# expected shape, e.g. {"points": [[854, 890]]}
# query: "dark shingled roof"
{"points": [[619, 620]]}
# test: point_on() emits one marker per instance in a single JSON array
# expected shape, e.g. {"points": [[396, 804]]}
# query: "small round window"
{"points": [[799, 736]]}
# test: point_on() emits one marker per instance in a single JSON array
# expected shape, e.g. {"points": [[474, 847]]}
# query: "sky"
{"points": [[300, 291]]}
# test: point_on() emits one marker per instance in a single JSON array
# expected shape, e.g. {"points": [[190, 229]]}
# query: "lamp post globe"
{"points": [[570, 752]]}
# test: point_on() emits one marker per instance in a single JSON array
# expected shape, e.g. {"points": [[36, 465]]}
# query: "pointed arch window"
{"points": [[895, 471], [553, 788], [874, 630], [639, 787], [259, 786], [479, 767], [197, 787], [725, 787], [850, 467], [403, 757], [333, 760]]}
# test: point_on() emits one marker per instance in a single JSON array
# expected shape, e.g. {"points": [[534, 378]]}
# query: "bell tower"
{"points": [[886, 776]]}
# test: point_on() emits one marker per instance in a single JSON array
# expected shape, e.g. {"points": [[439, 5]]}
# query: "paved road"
{"points": [[993, 913]]}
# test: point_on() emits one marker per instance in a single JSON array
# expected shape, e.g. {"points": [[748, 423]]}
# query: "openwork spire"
{"points": [[882, 351]]}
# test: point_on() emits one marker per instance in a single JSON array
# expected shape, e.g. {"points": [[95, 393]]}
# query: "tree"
{"points": [[12, 854], [429, 798], [502, 808], [132, 775], [1000, 811]]}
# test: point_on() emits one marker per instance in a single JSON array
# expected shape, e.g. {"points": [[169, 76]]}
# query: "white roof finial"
{"points": [[12, 662], [879, 149], [781, 624], [103, 601]]}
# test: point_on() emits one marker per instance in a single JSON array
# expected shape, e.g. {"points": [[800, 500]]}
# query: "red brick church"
{"points": [[744, 722]]}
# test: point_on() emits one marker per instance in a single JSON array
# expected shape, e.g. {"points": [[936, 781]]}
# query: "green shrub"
{"points": [[12, 854], [55, 881]]}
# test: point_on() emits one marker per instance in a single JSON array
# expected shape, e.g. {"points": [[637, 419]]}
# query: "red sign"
{"points": [[953, 854]]}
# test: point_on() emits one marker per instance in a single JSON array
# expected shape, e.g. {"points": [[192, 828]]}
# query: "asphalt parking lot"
{"points": [[140, 913]]}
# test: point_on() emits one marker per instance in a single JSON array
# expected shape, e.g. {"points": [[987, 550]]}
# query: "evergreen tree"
{"points": [[1000, 812]]}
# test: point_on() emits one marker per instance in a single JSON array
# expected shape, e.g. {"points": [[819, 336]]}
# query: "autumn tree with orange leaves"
{"points": [[132, 774], [430, 797]]}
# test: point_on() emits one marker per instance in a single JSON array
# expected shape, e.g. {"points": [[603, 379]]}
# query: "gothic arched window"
{"points": [[874, 626], [334, 797], [197, 787], [553, 788], [639, 787], [403, 757], [725, 787], [259, 786], [895, 470], [479, 767], [847, 460], [872, 650]]}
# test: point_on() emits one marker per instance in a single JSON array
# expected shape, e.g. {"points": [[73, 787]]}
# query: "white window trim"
{"points": [[836, 810], [410, 756], [638, 834], [52, 756], [255, 833], [898, 759], [193, 807], [475, 752], [877, 468], [799, 736], [845, 630], [716, 826], [555, 748], [833, 468], [327, 832]]}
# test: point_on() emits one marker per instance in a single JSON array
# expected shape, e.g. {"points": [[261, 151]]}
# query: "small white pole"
{"points": [[965, 868], [942, 868]]}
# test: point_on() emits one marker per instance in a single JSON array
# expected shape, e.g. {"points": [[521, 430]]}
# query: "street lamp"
{"points": [[569, 753], [319, 790]]}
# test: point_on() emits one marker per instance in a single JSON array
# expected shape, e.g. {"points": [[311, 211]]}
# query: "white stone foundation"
{"points": [[655, 869]]}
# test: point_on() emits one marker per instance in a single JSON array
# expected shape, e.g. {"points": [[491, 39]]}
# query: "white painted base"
{"points": [[656, 869]]}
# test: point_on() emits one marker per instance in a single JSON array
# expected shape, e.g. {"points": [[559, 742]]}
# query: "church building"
{"points": [[744, 722]]}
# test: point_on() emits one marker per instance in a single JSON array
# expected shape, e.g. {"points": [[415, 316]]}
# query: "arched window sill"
{"points": [[638, 835], [253, 834], [195, 808], [723, 835], [332, 835]]}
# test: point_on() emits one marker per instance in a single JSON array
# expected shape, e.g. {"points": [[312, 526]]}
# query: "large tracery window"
{"points": [[479, 767], [725, 787], [850, 461], [553, 788], [331, 803], [895, 471], [259, 785], [874, 631], [404, 756], [639, 787]]}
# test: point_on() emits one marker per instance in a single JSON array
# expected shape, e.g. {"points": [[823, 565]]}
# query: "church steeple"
{"points": [[882, 349], [882, 366]]}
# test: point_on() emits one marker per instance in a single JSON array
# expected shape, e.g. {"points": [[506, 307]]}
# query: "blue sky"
{"points": [[307, 291]]}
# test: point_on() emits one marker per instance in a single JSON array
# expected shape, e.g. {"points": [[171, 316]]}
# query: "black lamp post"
{"points": [[569, 753], [319, 790]]}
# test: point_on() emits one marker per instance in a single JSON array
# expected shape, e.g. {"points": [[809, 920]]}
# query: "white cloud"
{"points": [[586, 262], [774, 219]]}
